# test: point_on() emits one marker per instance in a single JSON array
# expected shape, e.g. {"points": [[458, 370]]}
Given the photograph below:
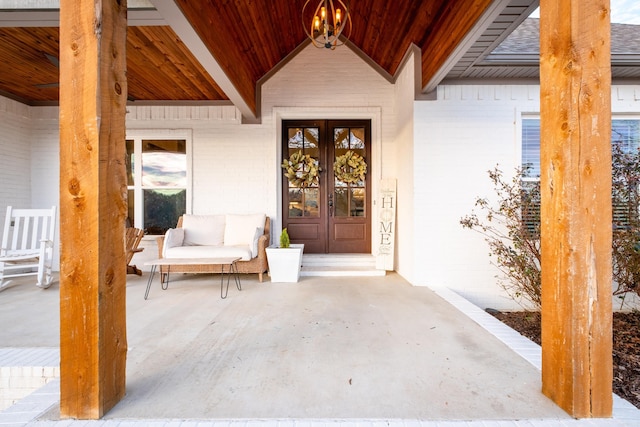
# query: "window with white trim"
{"points": [[531, 148], [157, 181], [625, 133]]}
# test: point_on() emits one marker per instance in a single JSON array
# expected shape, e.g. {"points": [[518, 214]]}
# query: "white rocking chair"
{"points": [[27, 245]]}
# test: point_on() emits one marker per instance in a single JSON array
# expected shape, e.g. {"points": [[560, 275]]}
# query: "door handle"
{"points": [[331, 204]]}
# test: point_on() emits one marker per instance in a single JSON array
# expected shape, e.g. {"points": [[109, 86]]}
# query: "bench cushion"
{"points": [[203, 229], [244, 230], [204, 251]]}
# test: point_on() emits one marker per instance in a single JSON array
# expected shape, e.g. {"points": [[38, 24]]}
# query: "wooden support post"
{"points": [[575, 110], [93, 95]]}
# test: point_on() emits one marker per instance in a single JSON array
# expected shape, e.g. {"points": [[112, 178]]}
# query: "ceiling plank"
{"points": [[384, 30], [159, 67], [174, 16], [24, 63], [213, 51], [161, 50]]}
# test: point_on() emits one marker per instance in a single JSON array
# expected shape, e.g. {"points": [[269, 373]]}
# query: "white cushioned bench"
{"points": [[215, 236]]}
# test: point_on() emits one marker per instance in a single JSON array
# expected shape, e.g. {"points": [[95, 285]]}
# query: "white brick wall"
{"points": [[19, 381], [24, 370]]}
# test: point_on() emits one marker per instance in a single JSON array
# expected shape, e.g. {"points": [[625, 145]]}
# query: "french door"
{"points": [[326, 191]]}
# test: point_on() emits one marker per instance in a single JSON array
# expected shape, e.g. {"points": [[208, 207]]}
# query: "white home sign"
{"points": [[387, 225]]}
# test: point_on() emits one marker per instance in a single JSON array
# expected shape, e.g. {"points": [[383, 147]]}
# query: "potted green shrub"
{"points": [[285, 260]]}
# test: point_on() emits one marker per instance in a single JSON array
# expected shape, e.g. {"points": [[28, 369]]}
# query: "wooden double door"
{"points": [[326, 191]]}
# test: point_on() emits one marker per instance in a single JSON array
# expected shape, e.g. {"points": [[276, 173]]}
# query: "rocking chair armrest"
{"points": [[47, 242]]}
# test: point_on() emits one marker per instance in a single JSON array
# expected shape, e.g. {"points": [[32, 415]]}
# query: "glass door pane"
{"points": [[350, 170], [303, 172]]}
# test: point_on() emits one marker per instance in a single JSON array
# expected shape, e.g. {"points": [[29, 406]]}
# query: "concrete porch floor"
{"points": [[326, 348]]}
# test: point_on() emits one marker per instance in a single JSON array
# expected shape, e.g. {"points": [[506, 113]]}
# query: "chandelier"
{"points": [[329, 20]]}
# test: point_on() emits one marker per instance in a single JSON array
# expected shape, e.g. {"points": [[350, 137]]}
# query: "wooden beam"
{"points": [[575, 110], [93, 95], [184, 29]]}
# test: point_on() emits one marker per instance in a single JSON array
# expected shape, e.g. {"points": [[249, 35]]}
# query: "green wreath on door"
{"points": [[350, 167], [301, 170]]}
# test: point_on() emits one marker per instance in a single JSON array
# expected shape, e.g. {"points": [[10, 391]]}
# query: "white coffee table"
{"points": [[222, 261]]}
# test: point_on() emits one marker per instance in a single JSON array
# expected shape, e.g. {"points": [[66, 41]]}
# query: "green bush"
{"points": [[512, 231], [512, 228], [284, 239], [626, 222]]}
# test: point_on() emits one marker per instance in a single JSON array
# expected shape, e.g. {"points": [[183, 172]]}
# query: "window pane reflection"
{"points": [[349, 196], [306, 138], [295, 202], [295, 138], [304, 202], [349, 202], [356, 139], [357, 202], [341, 138], [162, 208], [311, 136], [341, 204], [305, 141], [129, 161], [311, 197], [130, 209], [164, 163], [348, 138]]}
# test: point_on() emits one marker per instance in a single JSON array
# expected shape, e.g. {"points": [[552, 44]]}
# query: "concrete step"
{"points": [[339, 265], [339, 259]]}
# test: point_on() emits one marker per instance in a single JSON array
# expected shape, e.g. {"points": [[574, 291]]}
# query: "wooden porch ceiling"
{"points": [[159, 66], [212, 50]]}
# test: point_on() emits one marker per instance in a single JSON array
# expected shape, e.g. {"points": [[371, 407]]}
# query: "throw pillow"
{"points": [[203, 229], [172, 238], [256, 237], [241, 230]]}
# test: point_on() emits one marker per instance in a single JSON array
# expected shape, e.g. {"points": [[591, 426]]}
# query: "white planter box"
{"points": [[284, 263]]}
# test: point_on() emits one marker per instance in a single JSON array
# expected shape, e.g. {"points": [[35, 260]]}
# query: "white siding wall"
{"points": [[15, 166], [404, 147], [458, 138], [29, 165], [45, 166]]}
